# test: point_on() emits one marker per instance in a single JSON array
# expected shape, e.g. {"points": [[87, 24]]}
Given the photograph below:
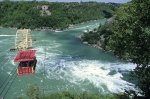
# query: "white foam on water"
{"points": [[84, 27], [42, 52], [9, 73], [7, 35], [93, 71], [76, 72], [41, 81], [51, 45], [58, 31], [12, 62], [43, 55], [124, 66]]}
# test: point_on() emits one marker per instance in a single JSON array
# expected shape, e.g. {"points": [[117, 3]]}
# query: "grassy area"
{"points": [[34, 93]]}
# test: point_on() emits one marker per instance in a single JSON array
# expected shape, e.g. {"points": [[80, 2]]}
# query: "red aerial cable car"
{"points": [[27, 62]]}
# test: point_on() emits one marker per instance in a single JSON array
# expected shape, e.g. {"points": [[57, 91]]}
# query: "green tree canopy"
{"points": [[128, 37], [27, 14]]}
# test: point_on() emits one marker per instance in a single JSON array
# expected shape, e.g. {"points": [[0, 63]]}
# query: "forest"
{"points": [[127, 35], [31, 14]]}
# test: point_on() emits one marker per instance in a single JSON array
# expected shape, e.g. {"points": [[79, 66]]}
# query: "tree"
{"points": [[131, 39], [107, 14], [34, 92], [27, 14]]}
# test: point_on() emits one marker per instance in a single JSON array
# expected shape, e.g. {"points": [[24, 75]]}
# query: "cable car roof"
{"points": [[27, 55]]}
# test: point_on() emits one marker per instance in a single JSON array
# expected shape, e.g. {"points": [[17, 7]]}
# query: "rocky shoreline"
{"points": [[93, 45]]}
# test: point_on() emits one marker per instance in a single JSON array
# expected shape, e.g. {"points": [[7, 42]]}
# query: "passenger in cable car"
{"points": [[23, 64], [31, 63]]}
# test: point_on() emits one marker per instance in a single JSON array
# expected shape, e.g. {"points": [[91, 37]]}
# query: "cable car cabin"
{"points": [[27, 62]]}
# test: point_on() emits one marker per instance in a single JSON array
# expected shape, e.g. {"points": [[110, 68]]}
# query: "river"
{"points": [[64, 64]]}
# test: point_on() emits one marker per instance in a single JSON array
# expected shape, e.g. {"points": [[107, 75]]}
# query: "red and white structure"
{"points": [[27, 62]]}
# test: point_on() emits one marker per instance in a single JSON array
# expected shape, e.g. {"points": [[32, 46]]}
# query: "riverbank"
{"points": [[62, 14], [99, 46], [59, 30], [56, 30], [97, 38], [34, 92]]}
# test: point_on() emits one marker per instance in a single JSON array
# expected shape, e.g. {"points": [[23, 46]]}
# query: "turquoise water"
{"points": [[64, 64]]}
